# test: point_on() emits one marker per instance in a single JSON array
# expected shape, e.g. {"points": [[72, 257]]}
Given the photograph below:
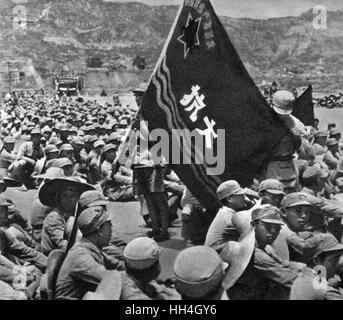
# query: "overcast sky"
{"points": [[259, 9]]}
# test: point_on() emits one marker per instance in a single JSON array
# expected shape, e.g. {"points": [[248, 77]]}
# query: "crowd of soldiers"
{"points": [[330, 102], [266, 242]]}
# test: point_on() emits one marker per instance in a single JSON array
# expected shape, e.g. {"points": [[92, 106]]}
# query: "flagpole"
{"points": [[129, 131]]}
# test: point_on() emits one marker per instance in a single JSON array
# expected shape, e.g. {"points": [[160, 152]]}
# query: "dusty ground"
{"points": [[329, 115], [126, 221]]}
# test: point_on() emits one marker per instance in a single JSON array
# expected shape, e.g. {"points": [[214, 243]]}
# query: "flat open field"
{"points": [[329, 115]]}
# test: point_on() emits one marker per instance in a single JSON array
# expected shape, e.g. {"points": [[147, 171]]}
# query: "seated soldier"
{"points": [[16, 282], [142, 269], [221, 230], [271, 192], [313, 180], [295, 211], [29, 153], [266, 276], [116, 186], [306, 219], [321, 283], [199, 273], [114, 250], [85, 265], [319, 145]]}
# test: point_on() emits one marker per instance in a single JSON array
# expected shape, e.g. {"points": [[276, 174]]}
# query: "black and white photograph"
{"points": [[177, 150]]}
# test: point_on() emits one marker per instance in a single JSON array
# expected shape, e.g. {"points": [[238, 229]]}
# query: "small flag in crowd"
{"points": [[303, 108]]}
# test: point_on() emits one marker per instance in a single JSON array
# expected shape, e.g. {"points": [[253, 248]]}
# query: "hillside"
{"points": [[64, 34]]}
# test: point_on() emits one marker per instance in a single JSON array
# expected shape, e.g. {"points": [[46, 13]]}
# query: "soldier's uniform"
{"points": [[320, 149], [85, 265], [267, 277], [196, 279], [141, 254], [281, 165], [53, 232]]}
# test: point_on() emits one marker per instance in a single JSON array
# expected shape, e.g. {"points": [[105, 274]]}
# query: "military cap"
{"points": [[5, 132], [333, 132], [199, 271], [331, 142], [283, 101], [339, 182], [295, 199], [56, 141], [46, 129], [229, 188], [141, 253], [272, 186], [63, 127], [113, 137], [331, 124], [109, 126], [78, 141], [73, 129], [8, 140], [90, 128], [35, 131], [315, 172], [92, 198], [66, 147], [123, 122], [91, 219], [320, 134], [327, 243], [92, 139], [109, 147], [62, 162], [268, 214], [99, 143]]}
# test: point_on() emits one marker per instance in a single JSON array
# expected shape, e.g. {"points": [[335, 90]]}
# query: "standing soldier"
{"points": [[281, 165]]}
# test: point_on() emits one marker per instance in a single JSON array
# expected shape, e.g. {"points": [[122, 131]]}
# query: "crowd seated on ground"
{"points": [[264, 242]]}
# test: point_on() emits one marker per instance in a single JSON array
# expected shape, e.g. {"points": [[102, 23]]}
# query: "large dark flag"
{"points": [[201, 84], [304, 108]]}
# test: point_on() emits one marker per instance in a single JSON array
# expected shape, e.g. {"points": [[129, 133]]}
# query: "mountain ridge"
{"points": [[65, 34]]}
